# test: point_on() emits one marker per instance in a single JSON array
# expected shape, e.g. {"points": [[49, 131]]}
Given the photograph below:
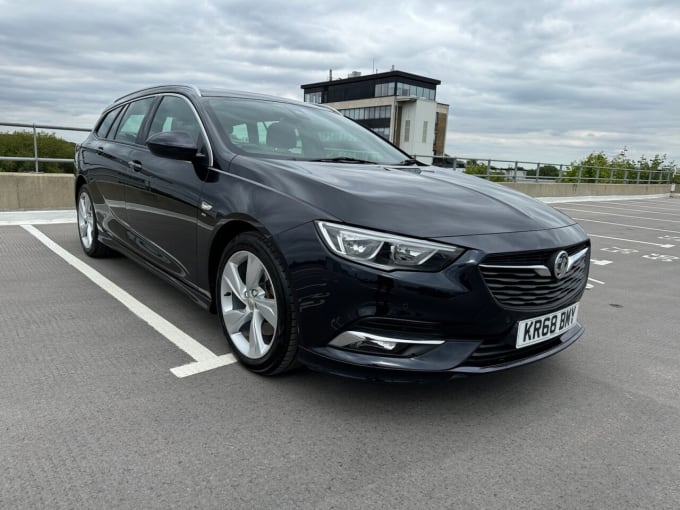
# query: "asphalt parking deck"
{"points": [[96, 410]]}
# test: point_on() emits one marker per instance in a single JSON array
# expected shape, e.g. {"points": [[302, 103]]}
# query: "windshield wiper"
{"points": [[342, 159], [409, 162]]}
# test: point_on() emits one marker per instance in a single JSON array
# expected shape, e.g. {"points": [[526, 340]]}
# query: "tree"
{"points": [[20, 144], [597, 167], [544, 171], [480, 169]]}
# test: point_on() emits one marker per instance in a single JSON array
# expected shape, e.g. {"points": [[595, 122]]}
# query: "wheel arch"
{"points": [[251, 235], [229, 230], [80, 180]]}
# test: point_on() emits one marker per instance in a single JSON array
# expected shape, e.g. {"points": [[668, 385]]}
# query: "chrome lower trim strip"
{"points": [[351, 337]]}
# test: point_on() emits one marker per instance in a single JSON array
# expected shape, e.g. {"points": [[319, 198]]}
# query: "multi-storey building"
{"points": [[400, 106]]}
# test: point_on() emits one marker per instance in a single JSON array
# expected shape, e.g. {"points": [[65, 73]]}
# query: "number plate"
{"points": [[538, 329]]}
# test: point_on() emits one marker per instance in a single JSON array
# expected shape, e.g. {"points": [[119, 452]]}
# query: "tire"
{"points": [[255, 305], [88, 232]]}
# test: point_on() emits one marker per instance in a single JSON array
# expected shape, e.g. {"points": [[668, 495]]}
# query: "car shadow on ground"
{"points": [[493, 394]]}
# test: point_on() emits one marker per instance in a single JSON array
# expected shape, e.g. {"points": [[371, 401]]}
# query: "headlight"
{"points": [[385, 251]]}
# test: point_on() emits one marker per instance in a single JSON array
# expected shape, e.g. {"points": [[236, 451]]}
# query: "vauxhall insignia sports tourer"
{"points": [[317, 242]]}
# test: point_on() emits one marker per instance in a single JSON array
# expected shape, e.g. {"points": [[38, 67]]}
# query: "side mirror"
{"points": [[173, 145]]}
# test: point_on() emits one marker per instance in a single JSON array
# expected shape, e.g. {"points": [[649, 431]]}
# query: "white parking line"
{"points": [[633, 241], [624, 225], [204, 358], [624, 215], [203, 366], [596, 281], [624, 208], [600, 262], [645, 205], [18, 223]]}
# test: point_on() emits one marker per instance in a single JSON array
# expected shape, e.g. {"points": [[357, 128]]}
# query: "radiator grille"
{"points": [[519, 287]]}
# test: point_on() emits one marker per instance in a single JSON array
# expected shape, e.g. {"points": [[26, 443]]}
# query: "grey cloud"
{"points": [[524, 79]]}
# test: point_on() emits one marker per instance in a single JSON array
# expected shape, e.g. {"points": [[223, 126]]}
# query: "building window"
{"points": [[313, 97], [425, 132], [407, 129], [372, 112], [404, 89], [382, 131], [384, 89]]}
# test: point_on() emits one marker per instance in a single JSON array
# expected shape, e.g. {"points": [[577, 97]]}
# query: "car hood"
{"points": [[418, 201]]}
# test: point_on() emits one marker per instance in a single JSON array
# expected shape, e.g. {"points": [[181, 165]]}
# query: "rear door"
{"points": [[117, 151], [104, 162]]}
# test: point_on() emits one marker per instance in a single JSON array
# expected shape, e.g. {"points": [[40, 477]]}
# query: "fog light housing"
{"points": [[372, 342], [375, 344]]}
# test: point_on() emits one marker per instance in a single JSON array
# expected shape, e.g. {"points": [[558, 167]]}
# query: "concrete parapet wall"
{"points": [[565, 189], [36, 191], [56, 191]]}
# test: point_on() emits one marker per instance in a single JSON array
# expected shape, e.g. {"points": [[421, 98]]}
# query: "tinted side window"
{"points": [[105, 125], [132, 120], [175, 114]]}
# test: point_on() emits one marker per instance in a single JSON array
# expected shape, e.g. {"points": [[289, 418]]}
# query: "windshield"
{"points": [[289, 131]]}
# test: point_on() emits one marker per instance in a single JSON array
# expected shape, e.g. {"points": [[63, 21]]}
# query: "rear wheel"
{"points": [[255, 305], [87, 225]]}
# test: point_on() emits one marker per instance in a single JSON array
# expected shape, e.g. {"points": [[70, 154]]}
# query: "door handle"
{"points": [[135, 165]]}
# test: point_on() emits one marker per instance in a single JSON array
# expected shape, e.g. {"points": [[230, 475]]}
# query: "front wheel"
{"points": [[87, 225], [255, 305]]}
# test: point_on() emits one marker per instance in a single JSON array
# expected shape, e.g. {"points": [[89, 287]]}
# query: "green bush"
{"points": [[474, 168], [545, 171], [20, 144], [597, 167]]}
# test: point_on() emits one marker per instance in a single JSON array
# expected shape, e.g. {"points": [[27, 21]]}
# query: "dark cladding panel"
{"points": [[349, 91], [364, 87]]}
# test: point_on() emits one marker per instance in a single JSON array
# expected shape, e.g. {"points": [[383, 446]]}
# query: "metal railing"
{"points": [[514, 171], [531, 171], [35, 158]]}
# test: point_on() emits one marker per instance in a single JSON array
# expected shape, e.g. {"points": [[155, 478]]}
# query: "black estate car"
{"points": [[318, 242]]}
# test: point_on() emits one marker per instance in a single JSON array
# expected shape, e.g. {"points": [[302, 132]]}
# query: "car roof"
{"points": [[192, 90]]}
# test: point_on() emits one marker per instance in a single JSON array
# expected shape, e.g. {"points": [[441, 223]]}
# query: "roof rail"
{"points": [[194, 88]]}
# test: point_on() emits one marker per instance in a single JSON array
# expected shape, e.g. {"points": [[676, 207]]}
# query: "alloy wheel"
{"points": [[248, 304], [85, 220]]}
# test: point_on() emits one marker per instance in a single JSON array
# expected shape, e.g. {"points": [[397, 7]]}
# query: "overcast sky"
{"points": [[547, 81]]}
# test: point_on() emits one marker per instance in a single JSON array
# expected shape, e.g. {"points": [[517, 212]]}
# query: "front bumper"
{"points": [[451, 317], [446, 360]]}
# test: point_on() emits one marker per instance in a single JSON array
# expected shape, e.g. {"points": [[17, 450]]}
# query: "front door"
{"points": [[162, 213]]}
